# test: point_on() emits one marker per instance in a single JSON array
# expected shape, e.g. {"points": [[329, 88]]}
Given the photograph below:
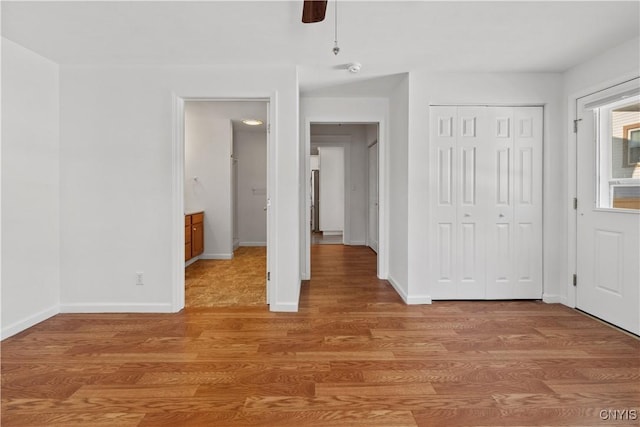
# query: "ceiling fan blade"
{"points": [[313, 11]]}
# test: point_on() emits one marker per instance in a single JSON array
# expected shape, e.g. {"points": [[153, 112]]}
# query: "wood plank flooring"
{"points": [[354, 355]]}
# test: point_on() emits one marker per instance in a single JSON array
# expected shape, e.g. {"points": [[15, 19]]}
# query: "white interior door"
{"points": [[373, 197], [332, 190], [608, 242]]}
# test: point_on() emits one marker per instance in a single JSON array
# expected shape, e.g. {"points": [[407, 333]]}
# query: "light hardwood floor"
{"points": [[354, 355], [240, 281]]}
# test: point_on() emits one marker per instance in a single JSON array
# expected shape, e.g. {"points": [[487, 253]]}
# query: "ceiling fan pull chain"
{"points": [[336, 49]]}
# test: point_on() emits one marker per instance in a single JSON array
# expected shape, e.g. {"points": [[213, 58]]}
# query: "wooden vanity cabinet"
{"points": [[193, 235]]}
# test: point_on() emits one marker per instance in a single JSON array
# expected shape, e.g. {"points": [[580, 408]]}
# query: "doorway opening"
{"points": [[343, 184], [225, 202]]}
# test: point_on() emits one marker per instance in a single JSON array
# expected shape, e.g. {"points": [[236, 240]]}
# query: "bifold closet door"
{"points": [[514, 224], [457, 159], [486, 199]]}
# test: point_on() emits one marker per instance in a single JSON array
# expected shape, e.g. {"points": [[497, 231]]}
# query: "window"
{"points": [[631, 135], [618, 127]]}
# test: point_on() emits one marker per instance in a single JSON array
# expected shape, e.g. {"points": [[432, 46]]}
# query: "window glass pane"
{"points": [[619, 154]]}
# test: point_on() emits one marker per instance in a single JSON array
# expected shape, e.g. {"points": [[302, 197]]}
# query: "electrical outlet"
{"points": [[139, 278]]}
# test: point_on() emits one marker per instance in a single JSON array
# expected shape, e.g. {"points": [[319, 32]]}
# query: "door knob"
{"points": [[467, 215], [501, 216]]}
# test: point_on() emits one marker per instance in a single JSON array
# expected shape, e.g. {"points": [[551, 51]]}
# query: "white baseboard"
{"points": [[216, 256], [236, 244], [551, 298], [117, 308], [419, 299], [253, 243], [331, 233], [191, 261], [398, 289], [290, 307], [409, 300], [28, 322], [358, 243]]}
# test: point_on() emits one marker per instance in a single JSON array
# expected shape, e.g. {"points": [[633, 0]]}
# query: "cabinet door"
{"points": [[197, 239]]}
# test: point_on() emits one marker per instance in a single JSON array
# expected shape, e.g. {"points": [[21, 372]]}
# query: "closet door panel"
{"points": [[443, 179], [471, 202], [500, 233], [528, 145]]}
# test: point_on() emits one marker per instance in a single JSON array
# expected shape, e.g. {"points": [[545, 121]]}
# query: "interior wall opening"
{"points": [[225, 202], [343, 184]]}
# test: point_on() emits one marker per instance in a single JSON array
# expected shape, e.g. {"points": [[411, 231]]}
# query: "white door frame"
{"points": [[177, 190], [369, 145], [569, 298], [383, 238]]}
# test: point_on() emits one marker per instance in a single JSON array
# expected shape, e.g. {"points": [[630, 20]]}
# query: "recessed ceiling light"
{"points": [[252, 122]]}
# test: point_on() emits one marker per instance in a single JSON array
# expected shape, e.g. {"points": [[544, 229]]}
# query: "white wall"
{"points": [[250, 148], [612, 67], [398, 188], [30, 189], [207, 155], [488, 88], [118, 193], [337, 110]]}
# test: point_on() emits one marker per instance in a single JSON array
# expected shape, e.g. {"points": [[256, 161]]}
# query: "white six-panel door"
{"points": [[486, 198]]}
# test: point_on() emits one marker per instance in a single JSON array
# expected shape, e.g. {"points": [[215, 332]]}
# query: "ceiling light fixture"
{"points": [[252, 122], [354, 67]]}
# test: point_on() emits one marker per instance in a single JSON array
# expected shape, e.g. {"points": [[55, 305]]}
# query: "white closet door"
{"points": [[514, 235], [443, 194], [472, 201], [527, 196], [486, 198]]}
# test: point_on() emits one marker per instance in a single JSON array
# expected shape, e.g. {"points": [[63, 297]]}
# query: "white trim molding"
{"points": [[28, 322], [216, 256], [253, 243], [117, 308], [553, 299], [289, 307]]}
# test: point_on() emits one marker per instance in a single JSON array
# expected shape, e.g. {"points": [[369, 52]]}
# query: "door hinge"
{"points": [[268, 275], [575, 203], [269, 128], [575, 280], [575, 125]]}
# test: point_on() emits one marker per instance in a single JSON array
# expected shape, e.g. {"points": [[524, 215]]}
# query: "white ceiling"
{"points": [[386, 37]]}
